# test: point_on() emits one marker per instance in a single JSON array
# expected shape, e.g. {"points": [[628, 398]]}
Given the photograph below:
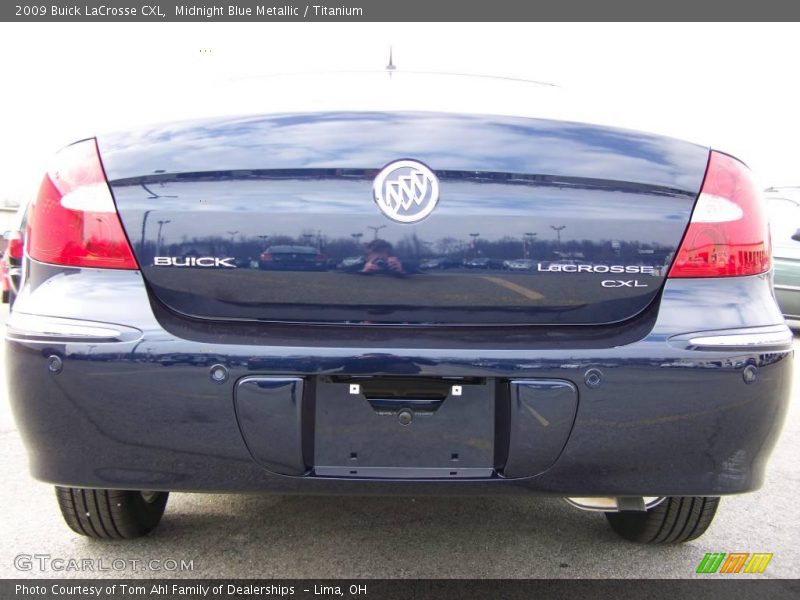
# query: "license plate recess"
{"points": [[404, 427]]}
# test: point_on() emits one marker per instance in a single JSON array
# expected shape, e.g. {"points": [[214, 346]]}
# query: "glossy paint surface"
{"points": [[528, 210], [251, 354]]}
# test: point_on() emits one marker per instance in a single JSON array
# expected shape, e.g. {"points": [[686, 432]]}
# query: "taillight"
{"points": [[74, 221], [266, 256], [15, 245], [320, 258], [728, 233]]}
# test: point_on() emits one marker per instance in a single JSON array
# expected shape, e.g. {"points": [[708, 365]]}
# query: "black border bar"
{"points": [[711, 587], [396, 10]]}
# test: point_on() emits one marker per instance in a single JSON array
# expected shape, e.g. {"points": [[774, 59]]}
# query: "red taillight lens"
{"points": [[320, 258], [16, 245], [74, 221], [266, 256], [728, 233]]}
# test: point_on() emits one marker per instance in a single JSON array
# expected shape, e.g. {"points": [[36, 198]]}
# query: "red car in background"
{"points": [[11, 262]]}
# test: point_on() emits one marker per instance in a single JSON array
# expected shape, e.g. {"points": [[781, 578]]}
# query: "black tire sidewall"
{"points": [[148, 514]]}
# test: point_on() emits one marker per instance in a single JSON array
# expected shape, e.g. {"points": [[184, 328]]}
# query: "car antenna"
{"points": [[390, 67]]}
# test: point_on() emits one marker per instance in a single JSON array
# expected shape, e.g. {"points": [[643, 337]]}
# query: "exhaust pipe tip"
{"points": [[616, 503]]}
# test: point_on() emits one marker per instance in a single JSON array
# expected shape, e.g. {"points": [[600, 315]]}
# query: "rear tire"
{"points": [[675, 520], [111, 514]]}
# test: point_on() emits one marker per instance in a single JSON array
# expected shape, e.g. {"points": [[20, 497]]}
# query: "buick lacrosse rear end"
{"points": [[248, 305]]}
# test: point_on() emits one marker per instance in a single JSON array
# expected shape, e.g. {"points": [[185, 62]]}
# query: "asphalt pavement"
{"points": [[327, 537]]}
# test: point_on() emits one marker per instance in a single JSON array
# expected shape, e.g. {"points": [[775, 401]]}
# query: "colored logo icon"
{"points": [[734, 562]]}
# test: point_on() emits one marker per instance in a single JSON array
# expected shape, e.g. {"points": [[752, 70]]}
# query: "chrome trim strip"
{"points": [[738, 340], [772, 337], [791, 288], [35, 328]]}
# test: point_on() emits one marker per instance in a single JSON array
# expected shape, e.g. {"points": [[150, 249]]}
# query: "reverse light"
{"points": [[728, 234], [74, 221]]}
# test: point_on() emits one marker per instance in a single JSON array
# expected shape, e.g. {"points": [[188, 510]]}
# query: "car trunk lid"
{"points": [[538, 222]]}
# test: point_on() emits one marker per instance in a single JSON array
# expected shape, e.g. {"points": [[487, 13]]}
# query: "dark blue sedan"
{"points": [[638, 365]]}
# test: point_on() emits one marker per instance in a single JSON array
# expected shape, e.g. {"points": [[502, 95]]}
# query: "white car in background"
{"points": [[783, 207]]}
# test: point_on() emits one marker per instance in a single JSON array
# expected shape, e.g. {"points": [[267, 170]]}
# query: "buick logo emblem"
{"points": [[406, 191]]}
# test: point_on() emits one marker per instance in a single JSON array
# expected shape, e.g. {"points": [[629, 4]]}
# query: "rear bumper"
{"points": [[134, 405]]}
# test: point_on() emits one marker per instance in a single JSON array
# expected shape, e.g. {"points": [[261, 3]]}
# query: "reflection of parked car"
{"points": [[784, 212], [437, 263], [482, 263], [351, 262], [4, 280], [520, 264], [243, 262], [196, 360], [292, 258], [168, 360], [11, 269]]}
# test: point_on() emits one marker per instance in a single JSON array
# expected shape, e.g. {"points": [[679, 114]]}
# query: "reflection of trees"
{"points": [[340, 248], [414, 247], [450, 246]]}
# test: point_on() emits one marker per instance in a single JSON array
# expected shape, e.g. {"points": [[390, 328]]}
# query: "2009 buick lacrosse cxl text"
{"points": [[395, 301]]}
